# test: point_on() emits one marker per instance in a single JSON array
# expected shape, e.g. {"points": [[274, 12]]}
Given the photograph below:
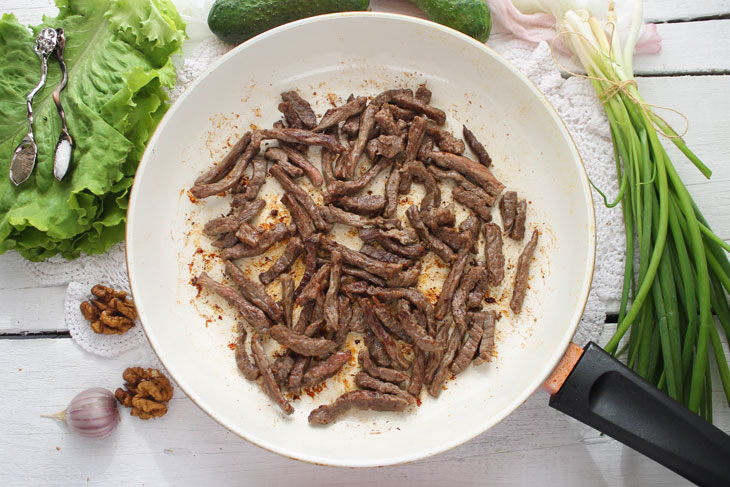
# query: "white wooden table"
{"points": [[41, 368]]}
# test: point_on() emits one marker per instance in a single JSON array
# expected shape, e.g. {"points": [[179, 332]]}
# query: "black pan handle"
{"points": [[605, 394]]}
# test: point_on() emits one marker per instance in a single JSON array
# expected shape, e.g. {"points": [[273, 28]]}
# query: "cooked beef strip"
{"points": [[417, 372], [393, 350], [473, 225], [459, 301], [432, 198], [493, 256], [305, 316], [386, 122], [434, 244], [446, 140], [389, 321], [470, 169], [301, 136], [301, 219], [391, 191], [387, 95], [297, 373], [415, 296], [318, 312], [407, 278], [508, 210], [353, 257], [248, 234], [401, 114], [452, 281], [472, 201], [278, 232], [460, 180], [253, 315], [314, 326], [376, 235], [383, 255], [270, 385], [311, 244], [325, 369], [423, 94], [417, 333], [385, 373], [293, 250], [204, 190], [225, 241], [331, 303], [357, 321], [328, 157], [468, 349], [344, 309], [442, 216], [523, 271], [341, 113], [338, 188], [366, 381], [411, 103], [351, 127], [249, 370], [303, 148], [301, 107], [434, 388], [300, 160], [258, 178], [373, 400], [291, 117], [301, 196], [250, 210], [425, 148], [387, 146], [518, 228], [415, 136], [333, 214], [355, 287], [254, 292], [487, 320], [476, 147], [367, 204], [217, 172], [377, 352], [477, 295], [450, 236], [222, 224], [287, 298], [301, 343], [434, 359], [363, 274], [282, 367], [367, 122], [314, 286]]}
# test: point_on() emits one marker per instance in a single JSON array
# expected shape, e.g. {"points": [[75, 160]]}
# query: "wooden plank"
{"points": [[186, 447], [662, 10]]}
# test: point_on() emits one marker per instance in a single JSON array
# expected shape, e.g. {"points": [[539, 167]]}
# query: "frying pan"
{"points": [[330, 57]]}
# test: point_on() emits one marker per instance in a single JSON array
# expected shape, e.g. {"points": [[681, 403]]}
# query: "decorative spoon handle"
{"points": [[64, 147]]}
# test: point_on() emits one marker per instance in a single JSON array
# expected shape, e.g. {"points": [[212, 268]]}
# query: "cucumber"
{"points": [[468, 16], [235, 21]]}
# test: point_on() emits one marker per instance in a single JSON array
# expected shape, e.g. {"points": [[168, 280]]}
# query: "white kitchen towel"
{"points": [[573, 98]]}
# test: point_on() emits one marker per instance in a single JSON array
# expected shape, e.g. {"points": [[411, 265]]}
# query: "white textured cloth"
{"points": [[574, 100]]}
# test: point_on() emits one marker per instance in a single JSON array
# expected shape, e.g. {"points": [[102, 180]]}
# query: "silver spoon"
{"points": [[64, 147], [27, 151]]}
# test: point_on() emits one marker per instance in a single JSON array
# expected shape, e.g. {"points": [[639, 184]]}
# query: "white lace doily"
{"points": [[574, 100]]}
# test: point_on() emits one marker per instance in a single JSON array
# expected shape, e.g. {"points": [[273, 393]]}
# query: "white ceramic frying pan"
{"points": [[333, 56]]}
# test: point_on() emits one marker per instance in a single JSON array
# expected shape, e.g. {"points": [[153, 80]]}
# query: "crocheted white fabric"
{"points": [[576, 103]]}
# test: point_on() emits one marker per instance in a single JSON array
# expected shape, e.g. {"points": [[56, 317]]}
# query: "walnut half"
{"points": [[147, 391], [111, 312]]}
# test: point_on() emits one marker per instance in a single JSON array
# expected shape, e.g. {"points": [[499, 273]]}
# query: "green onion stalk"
{"points": [[673, 307]]}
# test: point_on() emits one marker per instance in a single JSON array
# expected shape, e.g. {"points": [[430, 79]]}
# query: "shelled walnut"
{"points": [[147, 392], [112, 312]]}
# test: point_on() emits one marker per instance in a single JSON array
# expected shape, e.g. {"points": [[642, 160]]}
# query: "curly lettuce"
{"points": [[118, 54]]}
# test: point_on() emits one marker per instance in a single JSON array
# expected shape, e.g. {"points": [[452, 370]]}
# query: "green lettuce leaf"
{"points": [[118, 54]]}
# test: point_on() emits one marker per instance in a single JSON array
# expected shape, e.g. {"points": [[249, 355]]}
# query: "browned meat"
{"points": [[305, 316], [334, 214], [293, 250], [222, 224], [325, 369], [434, 244], [204, 190], [311, 244], [374, 347], [301, 161], [355, 287], [442, 216], [459, 302], [282, 367], [487, 321], [301, 219], [411, 103], [297, 373], [367, 122], [270, 385], [432, 198], [353, 257], [523, 271], [401, 114], [301, 343], [291, 117], [415, 296], [328, 157], [376, 401], [250, 210], [383, 255], [301, 136], [473, 225], [452, 281], [470, 169], [477, 295], [407, 278], [225, 241], [336, 188], [423, 94], [446, 140], [341, 113], [391, 191], [287, 298], [387, 95], [367, 204], [366, 381], [472, 201], [386, 122], [414, 250], [434, 359], [362, 274], [218, 171], [277, 233], [508, 210], [468, 349], [315, 285], [425, 148], [389, 321], [417, 372], [331, 303], [351, 127], [357, 321], [434, 388], [415, 137], [477, 147], [385, 373], [301, 107], [248, 234], [393, 351], [451, 237], [417, 334], [442, 174], [518, 228], [253, 315], [254, 292], [314, 326], [248, 369], [301, 196], [345, 309], [258, 178], [493, 256]]}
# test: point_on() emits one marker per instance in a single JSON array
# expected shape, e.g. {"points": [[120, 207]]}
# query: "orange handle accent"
{"points": [[555, 381]]}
